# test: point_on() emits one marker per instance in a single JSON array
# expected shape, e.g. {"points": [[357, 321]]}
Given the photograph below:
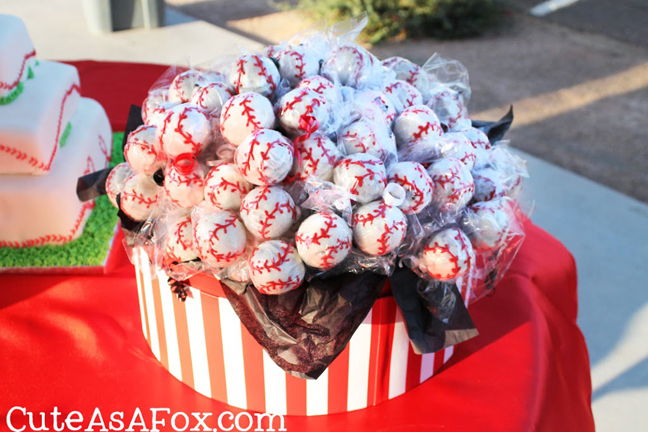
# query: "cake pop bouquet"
{"points": [[306, 176]]}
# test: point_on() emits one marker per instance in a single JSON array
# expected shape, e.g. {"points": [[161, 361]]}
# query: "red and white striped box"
{"points": [[203, 344]]}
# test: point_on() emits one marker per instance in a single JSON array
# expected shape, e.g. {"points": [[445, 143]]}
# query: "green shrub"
{"points": [[413, 18]]}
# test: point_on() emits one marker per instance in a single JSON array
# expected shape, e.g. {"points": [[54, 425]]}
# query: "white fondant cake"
{"points": [[17, 54], [49, 137], [36, 210], [31, 126]]}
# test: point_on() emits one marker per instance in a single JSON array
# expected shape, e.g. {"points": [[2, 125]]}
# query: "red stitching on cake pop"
{"points": [[416, 195], [138, 198], [12, 85], [187, 243], [386, 235], [179, 80], [187, 137], [231, 221], [307, 156], [249, 204], [324, 233], [436, 248], [299, 63], [346, 163], [264, 72], [274, 264], [378, 212], [280, 285], [271, 215], [322, 85]]}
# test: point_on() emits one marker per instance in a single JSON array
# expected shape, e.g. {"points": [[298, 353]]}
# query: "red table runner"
{"points": [[75, 342]]}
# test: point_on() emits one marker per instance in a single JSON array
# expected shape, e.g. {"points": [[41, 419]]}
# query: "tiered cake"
{"points": [[49, 136]]}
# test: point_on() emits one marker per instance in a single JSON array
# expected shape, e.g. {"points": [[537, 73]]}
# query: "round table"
{"points": [[75, 342]]}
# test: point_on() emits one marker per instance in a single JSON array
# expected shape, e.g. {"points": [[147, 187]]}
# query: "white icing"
{"points": [[33, 207], [29, 125], [15, 53]]}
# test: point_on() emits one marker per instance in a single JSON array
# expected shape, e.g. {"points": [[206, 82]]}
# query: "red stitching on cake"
{"points": [[53, 238], [264, 72], [31, 160], [11, 86]]}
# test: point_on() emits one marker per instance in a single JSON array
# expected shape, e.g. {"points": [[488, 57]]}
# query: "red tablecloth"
{"points": [[76, 343]]}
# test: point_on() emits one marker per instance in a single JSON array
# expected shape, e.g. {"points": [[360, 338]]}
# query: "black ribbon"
{"points": [[495, 130], [304, 330], [435, 314]]}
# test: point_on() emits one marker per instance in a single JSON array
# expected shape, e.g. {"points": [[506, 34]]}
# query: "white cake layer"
{"points": [[16, 53], [37, 210], [31, 126]]}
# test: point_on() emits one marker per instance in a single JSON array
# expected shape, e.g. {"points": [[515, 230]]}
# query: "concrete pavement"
{"points": [[606, 231]]}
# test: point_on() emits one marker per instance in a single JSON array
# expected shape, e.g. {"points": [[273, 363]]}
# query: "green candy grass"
{"points": [[30, 73], [90, 249]]}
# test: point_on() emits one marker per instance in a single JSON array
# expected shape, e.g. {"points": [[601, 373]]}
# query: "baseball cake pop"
{"points": [[323, 240], [255, 73], [453, 184], [447, 255], [363, 176], [115, 181], [323, 87], [318, 155], [411, 72], [364, 136], [487, 223], [459, 147], [297, 63], [417, 183], [141, 150], [402, 95], [298, 106], [268, 212], [244, 114], [350, 66], [186, 129], [265, 157], [212, 97], [139, 196], [219, 237], [155, 98], [184, 181], [275, 267], [378, 228], [225, 187], [448, 106], [417, 124], [489, 184], [184, 84], [179, 241], [375, 106]]}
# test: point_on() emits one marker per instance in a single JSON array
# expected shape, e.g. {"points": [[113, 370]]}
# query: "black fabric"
{"points": [[495, 130], [434, 313], [304, 330]]}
